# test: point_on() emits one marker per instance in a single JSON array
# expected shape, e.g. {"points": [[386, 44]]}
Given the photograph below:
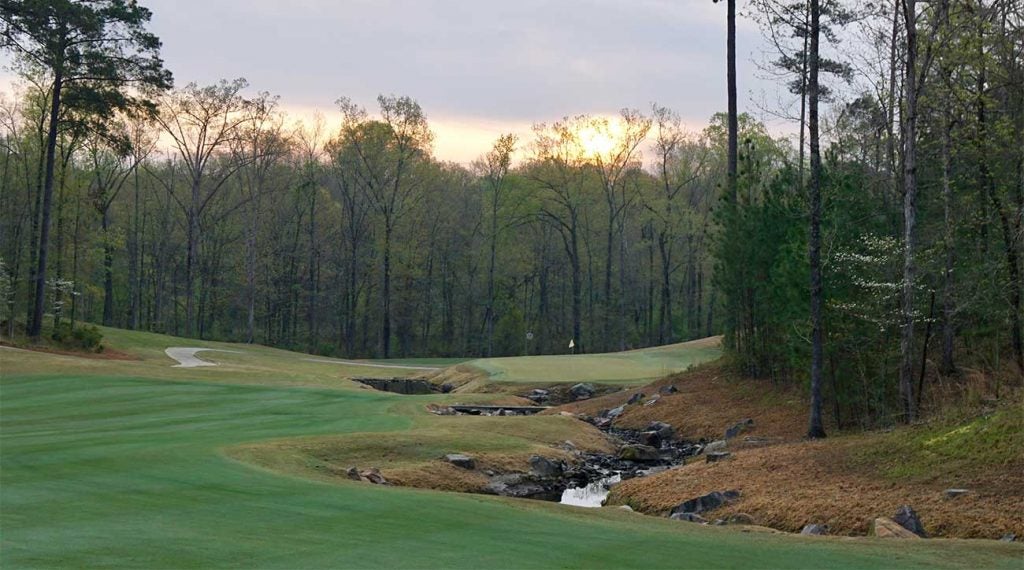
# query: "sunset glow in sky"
{"points": [[478, 68]]}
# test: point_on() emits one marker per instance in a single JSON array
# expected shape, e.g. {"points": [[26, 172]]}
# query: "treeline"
{"points": [[218, 217], [878, 258], [920, 181]]}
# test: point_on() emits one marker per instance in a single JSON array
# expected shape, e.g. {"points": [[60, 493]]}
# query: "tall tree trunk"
{"points": [[191, 261], [385, 325], [250, 274], [816, 428], [36, 323], [108, 269], [311, 324], [909, 214], [948, 308], [733, 158], [134, 278], [665, 315]]}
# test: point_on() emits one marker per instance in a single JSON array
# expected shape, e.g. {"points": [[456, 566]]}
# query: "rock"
{"points": [[908, 519], [884, 527], [625, 508], [544, 467], [567, 414], [353, 474], [666, 431], [688, 517], [954, 493], [814, 529], [638, 453], [653, 400], [705, 503], [739, 427], [1008, 537], [568, 445], [582, 391], [739, 518], [719, 522], [523, 487], [538, 395], [635, 398], [716, 456], [615, 412], [460, 460], [447, 387], [714, 446], [651, 438], [666, 390], [373, 476]]}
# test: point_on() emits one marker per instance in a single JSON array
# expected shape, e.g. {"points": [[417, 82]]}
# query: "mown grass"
{"points": [[633, 367], [101, 469]]}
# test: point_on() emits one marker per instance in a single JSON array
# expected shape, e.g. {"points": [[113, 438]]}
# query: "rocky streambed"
{"points": [[586, 479]]}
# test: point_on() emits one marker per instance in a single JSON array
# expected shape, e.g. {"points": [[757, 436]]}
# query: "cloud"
{"points": [[470, 64]]}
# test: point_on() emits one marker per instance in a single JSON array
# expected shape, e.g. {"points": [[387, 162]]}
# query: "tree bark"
{"points": [[733, 158], [108, 269], [816, 427], [36, 323], [947, 365], [909, 214]]}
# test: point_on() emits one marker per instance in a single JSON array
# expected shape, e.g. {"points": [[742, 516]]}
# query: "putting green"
{"points": [[103, 469], [633, 367]]}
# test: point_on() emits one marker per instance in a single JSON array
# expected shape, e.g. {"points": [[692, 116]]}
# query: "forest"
{"points": [[871, 249]]}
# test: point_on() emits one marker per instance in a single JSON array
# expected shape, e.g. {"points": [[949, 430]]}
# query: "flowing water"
{"points": [[592, 495]]}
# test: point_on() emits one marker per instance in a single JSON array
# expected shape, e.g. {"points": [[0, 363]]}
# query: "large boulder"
{"points": [[706, 503], [666, 431], [538, 395], [714, 446], [907, 518], [615, 412], [544, 467], [814, 529], [582, 391], [738, 428], [739, 518], [884, 527], [373, 476], [460, 460], [688, 517], [638, 453], [716, 456], [651, 438], [524, 487]]}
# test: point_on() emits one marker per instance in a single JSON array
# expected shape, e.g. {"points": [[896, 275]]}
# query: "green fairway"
{"points": [[101, 468], [627, 368]]}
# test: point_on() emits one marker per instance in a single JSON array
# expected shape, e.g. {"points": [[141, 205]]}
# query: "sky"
{"points": [[477, 67]]}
